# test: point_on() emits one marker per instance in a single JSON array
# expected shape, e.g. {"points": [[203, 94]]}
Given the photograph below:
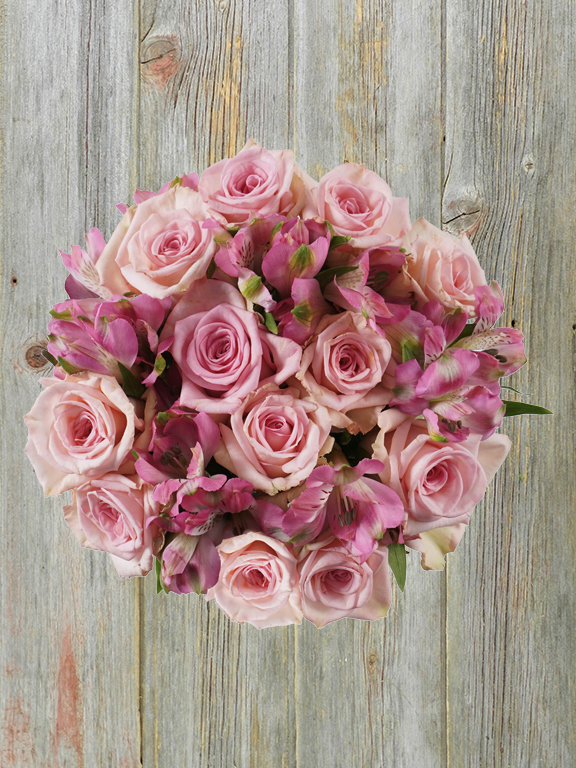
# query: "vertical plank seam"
{"points": [[442, 184]]}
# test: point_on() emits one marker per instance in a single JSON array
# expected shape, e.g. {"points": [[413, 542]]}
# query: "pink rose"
{"points": [[223, 352], [342, 369], [442, 268], [335, 585], [275, 439], [439, 483], [79, 427], [160, 247], [110, 513], [254, 183], [258, 581], [359, 204]]}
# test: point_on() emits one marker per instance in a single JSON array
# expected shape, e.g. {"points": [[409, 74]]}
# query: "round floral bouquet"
{"points": [[270, 387]]}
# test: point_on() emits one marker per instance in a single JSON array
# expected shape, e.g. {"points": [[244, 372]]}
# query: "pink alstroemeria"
{"points": [[84, 280], [96, 335], [296, 251], [359, 510], [181, 446], [189, 564], [352, 292], [298, 317], [241, 256]]}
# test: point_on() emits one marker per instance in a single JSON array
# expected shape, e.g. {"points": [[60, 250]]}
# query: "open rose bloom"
{"points": [[273, 389]]}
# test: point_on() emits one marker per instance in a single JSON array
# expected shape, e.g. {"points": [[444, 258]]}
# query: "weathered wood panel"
{"points": [[510, 117], [373, 693], [214, 694], [472, 668], [69, 639]]}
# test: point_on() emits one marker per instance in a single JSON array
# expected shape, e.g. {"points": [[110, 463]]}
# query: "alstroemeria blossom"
{"points": [[84, 281], [189, 564]]}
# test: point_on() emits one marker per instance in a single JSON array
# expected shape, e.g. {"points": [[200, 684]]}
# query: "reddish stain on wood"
{"points": [[68, 717], [160, 59], [17, 744]]}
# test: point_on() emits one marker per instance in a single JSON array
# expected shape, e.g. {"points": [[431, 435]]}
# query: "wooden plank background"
{"points": [[470, 110]]}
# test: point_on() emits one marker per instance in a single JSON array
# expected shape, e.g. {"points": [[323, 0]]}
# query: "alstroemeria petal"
{"points": [[449, 372]]}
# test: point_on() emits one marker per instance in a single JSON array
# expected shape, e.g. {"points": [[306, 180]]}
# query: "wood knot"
{"points": [[372, 662], [159, 59], [463, 214], [529, 165], [33, 356]]}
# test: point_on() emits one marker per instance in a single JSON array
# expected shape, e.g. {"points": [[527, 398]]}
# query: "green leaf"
{"points": [[504, 386], [270, 323], [159, 583], [211, 269], [276, 228], [516, 408], [327, 275], [468, 330], [130, 384], [397, 562], [49, 357], [337, 241], [66, 367]]}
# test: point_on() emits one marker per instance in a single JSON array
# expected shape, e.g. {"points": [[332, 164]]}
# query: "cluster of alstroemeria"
{"points": [[271, 386]]}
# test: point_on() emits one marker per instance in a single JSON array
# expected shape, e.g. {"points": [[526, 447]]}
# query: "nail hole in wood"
{"points": [[13, 280]]}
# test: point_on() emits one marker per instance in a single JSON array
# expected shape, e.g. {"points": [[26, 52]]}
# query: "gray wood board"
{"points": [[470, 112]]}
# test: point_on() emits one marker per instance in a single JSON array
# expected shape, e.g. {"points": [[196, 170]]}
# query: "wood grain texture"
{"points": [[511, 666], [469, 110], [69, 639]]}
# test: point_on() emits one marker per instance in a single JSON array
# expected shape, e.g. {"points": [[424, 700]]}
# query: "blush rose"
{"points": [[342, 369], [442, 268], [254, 183], [222, 350], [360, 205], [258, 581], [160, 247], [335, 585], [110, 513], [80, 427], [275, 439], [439, 483]]}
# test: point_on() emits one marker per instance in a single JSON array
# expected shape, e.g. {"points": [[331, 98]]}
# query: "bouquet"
{"points": [[271, 389]]}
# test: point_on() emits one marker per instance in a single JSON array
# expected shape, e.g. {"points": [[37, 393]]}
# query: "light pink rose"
{"points": [[258, 581], [223, 351], [360, 205], [160, 247], [342, 369], [439, 483], [110, 513], [442, 268], [334, 584], [275, 439], [254, 183], [79, 427]]}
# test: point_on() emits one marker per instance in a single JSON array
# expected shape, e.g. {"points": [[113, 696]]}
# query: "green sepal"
{"points": [[275, 229], [66, 367], [303, 313], [516, 408], [411, 350], [270, 323], [301, 258], [251, 287], [176, 180], [337, 241], [327, 275], [66, 315], [397, 562], [130, 384], [135, 454], [467, 331], [49, 357]]}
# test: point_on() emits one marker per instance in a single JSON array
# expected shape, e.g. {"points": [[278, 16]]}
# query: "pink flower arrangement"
{"points": [[271, 387]]}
